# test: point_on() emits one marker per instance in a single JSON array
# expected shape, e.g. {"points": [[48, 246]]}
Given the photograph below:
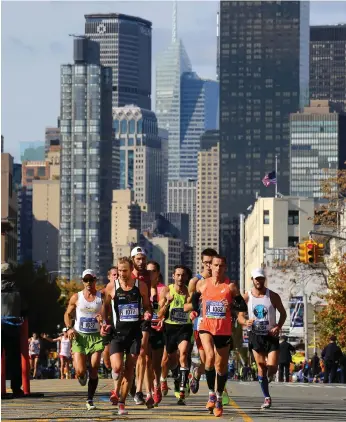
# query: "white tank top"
{"points": [[65, 347], [34, 347], [263, 311], [86, 312]]}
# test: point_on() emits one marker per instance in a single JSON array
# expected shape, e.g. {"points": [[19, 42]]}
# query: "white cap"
{"points": [[258, 272], [138, 250], [88, 272], [64, 330]]}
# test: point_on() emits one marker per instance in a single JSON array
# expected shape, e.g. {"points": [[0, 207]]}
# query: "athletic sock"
{"points": [[92, 385], [210, 375], [220, 383], [264, 385], [184, 377], [163, 379]]}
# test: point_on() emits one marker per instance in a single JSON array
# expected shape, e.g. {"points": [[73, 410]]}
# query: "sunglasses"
{"points": [[89, 280]]}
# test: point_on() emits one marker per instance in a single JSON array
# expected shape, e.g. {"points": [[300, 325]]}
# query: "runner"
{"points": [[215, 330], [156, 338], [178, 330], [64, 353], [34, 353], [198, 371], [139, 259], [263, 330], [126, 297], [85, 307]]}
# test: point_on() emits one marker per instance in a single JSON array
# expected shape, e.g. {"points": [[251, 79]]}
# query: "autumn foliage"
{"points": [[332, 319]]}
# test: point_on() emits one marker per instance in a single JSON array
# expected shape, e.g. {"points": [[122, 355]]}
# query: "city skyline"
{"points": [[43, 55]]}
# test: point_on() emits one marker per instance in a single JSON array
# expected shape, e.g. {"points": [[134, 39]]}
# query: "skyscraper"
{"points": [[86, 152], [328, 62], [125, 46], [264, 76], [52, 138]]}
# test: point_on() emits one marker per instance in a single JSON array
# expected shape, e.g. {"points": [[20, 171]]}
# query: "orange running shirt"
{"points": [[217, 318]]}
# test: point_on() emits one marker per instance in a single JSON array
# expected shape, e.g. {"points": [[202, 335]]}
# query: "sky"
{"points": [[35, 42]]}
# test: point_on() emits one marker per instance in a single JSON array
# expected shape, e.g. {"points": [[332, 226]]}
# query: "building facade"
{"points": [[328, 63], [125, 46], [8, 211], [264, 76], [52, 138], [32, 151], [170, 224], [181, 198], [86, 154], [317, 148], [126, 222], [275, 223], [208, 196], [136, 133], [163, 135]]}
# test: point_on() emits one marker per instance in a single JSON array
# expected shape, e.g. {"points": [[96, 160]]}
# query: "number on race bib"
{"points": [[215, 310], [178, 315], [129, 312], [261, 327], [88, 325]]}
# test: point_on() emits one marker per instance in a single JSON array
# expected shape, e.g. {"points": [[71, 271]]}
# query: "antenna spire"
{"points": [[174, 21]]}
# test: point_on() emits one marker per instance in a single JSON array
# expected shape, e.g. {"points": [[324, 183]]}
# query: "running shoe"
{"points": [[267, 403], [83, 380], [181, 401], [218, 409], [90, 405], [211, 402], [164, 388], [149, 402], [139, 398], [194, 382], [114, 398], [157, 395], [121, 410]]}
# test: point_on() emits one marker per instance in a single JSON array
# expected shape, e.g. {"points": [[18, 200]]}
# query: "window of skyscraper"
{"points": [[131, 126], [293, 218], [123, 126], [139, 126], [266, 217]]}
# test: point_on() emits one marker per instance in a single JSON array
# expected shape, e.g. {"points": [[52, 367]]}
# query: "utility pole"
{"points": [[306, 337]]}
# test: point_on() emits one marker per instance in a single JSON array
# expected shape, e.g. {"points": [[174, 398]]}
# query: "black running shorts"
{"points": [[129, 343], [263, 344], [156, 339], [220, 341], [145, 326], [175, 334]]}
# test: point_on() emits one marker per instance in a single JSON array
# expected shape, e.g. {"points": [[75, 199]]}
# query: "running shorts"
{"points": [[129, 343], [220, 341], [264, 344], [175, 334], [156, 339], [198, 340], [33, 356], [145, 326], [65, 357], [87, 344]]}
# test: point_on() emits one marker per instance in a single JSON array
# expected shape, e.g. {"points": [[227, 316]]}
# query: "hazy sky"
{"points": [[35, 43]]}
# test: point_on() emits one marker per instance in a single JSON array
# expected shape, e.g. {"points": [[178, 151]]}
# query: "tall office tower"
{"points": [[181, 198], [186, 105], [125, 46], [264, 76], [328, 63], [86, 154], [208, 195], [163, 134], [136, 132], [318, 148], [52, 138], [172, 224]]}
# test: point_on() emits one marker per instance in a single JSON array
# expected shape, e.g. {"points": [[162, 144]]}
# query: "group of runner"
{"points": [[146, 328]]}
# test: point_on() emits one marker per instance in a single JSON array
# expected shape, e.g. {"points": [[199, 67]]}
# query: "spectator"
{"points": [[331, 355], [11, 319], [343, 369], [285, 359], [315, 365]]}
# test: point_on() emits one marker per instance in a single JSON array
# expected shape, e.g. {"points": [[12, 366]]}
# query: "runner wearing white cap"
{"points": [[85, 308], [263, 329]]}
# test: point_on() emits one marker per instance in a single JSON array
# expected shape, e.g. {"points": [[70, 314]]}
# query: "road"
{"points": [[64, 400]]}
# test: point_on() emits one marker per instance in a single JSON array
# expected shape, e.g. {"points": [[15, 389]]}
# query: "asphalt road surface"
{"points": [[64, 400]]}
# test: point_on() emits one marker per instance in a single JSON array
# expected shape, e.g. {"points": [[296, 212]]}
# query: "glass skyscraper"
{"points": [[125, 46], [86, 182], [264, 76]]}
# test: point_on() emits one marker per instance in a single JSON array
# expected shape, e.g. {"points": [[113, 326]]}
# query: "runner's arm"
{"points": [[238, 303], [163, 303], [105, 310], [277, 303], [70, 311], [143, 288], [192, 287], [241, 316]]}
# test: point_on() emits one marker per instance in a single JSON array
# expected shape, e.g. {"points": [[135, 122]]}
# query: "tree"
{"points": [[67, 289], [332, 319]]}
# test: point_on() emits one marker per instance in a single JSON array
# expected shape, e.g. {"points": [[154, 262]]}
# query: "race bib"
{"points": [[215, 310], [260, 327], [129, 312], [178, 315], [88, 325]]}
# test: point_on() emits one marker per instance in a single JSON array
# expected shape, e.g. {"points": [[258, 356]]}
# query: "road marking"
{"points": [[245, 416]]}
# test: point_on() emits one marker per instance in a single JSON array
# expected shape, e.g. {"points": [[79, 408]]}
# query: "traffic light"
{"points": [[319, 253], [302, 253], [310, 249]]}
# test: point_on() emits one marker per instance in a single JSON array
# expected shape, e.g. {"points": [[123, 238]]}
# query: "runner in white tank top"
{"points": [[85, 308], [64, 345], [263, 329]]}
